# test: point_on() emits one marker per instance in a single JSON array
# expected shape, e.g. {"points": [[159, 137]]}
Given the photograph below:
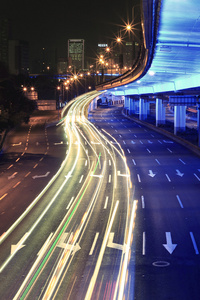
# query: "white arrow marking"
{"points": [[168, 142], [169, 246], [68, 246], [95, 143], [93, 175], [133, 142], [41, 176], [110, 243], [59, 143], [12, 176], [19, 245], [17, 144], [150, 142], [151, 174], [179, 173], [125, 175]]}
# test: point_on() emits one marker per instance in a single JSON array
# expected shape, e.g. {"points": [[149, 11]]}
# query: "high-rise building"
{"points": [[76, 50], [4, 38], [18, 58]]}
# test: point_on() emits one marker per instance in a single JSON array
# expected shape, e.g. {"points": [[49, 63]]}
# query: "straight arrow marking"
{"points": [[19, 245], [179, 173], [151, 174], [169, 246]]}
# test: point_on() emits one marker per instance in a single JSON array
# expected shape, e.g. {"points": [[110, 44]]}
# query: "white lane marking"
{"points": [[143, 243], [81, 179], [160, 142], [128, 151], [141, 142], [134, 162], [109, 179], [196, 176], [169, 246], [143, 203], [148, 150], [86, 162], [68, 206], [94, 243], [133, 142], [169, 150], [168, 178], [179, 200], [182, 161], [138, 176], [106, 202], [120, 135], [178, 173], [152, 135], [194, 243], [135, 135], [116, 130], [157, 161], [109, 162], [124, 142]]}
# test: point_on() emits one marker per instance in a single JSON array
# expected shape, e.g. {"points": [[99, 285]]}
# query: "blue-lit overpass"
{"points": [[168, 68]]}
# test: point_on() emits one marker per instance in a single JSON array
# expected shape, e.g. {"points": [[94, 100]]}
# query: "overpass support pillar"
{"points": [[160, 112], [132, 106], [198, 122], [143, 107], [179, 118]]}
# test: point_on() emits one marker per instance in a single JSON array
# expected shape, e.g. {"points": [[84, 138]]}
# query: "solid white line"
{"points": [[168, 178], [143, 203], [179, 200], [106, 203], [109, 179], [196, 176], [157, 161], [94, 243], [182, 161], [138, 176], [134, 162], [68, 206], [194, 243], [81, 179], [143, 244]]}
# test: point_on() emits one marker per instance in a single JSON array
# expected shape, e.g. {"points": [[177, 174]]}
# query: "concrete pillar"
{"points": [[179, 118], [132, 106], [160, 112], [142, 109], [198, 122]]}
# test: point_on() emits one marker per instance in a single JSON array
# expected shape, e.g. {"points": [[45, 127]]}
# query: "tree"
{"points": [[15, 108]]}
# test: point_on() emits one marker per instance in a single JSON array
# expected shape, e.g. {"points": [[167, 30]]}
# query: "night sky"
{"points": [[50, 24]]}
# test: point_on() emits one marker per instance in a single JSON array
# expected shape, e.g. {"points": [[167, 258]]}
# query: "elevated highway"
{"points": [[167, 71]]}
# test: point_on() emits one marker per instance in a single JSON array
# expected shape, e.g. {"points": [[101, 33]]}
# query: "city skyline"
{"points": [[51, 26]]}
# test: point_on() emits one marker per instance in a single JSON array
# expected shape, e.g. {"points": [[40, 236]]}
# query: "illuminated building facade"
{"points": [[76, 49]]}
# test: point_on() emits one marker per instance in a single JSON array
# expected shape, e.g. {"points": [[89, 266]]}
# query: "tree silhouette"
{"points": [[15, 108]]}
